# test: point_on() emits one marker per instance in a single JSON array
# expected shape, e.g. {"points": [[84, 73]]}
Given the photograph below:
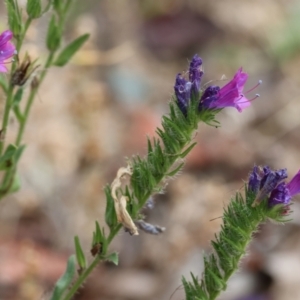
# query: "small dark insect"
{"points": [[96, 249], [23, 71]]}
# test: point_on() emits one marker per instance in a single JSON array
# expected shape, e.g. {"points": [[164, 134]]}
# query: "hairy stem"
{"points": [[80, 280], [240, 221], [83, 276]]}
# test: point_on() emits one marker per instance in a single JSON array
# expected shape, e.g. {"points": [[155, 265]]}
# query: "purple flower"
{"points": [[183, 93], [213, 97], [271, 179], [266, 183], [255, 179], [195, 73], [294, 185], [209, 96], [283, 193], [7, 49], [230, 95], [184, 89], [280, 195]]}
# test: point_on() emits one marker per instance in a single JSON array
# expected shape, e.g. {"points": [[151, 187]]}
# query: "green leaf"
{"points": [[53, 35], [187, 151], [113, 257], [63, 283], [110, 213], [58, 6], [98, 233], [10, 181], [17, 97], [150, 150], [11, 156], [6, 160], [99, 242], [34, 8], [15, 104], [66, 54], [3, 83], [19, 152], [14, 20], [175, 171], [18, 113], [15, 185], [79, 253]]}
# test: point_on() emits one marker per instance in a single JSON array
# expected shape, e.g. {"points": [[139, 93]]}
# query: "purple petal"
{"points": [[5, 36], [269, 182], [3, 69], [182, 90], [280, 195], [294, 185], [230, 95], [241, 79], [7, 51], [242, 103], [195, 74], [209, 96], [255, 179]]}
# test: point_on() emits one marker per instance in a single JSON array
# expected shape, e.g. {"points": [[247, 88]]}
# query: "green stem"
{"points": [[169, 154], [11, 88], [21, 39], [110, 238], [82, 278], [240, 220], [6, 117], [31, 98], [229, 273], [22, 36]]}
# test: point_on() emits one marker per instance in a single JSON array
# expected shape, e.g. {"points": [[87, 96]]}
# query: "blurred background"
{"points": [[91, 115]]}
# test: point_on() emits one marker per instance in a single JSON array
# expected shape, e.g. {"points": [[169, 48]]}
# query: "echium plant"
{"points": [[266, 195], [147, 176]]}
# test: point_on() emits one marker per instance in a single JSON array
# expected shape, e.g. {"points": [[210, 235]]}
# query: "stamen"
{"points": [[256, 96], [258, 84], [7, 62]]}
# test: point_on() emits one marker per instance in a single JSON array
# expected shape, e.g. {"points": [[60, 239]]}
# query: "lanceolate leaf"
{"points": [[110, 213], [187, 151], [34, 8], [6, 158], [63, 283], [79, 253], [70, 50], [53, 35], [175, 171]]}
